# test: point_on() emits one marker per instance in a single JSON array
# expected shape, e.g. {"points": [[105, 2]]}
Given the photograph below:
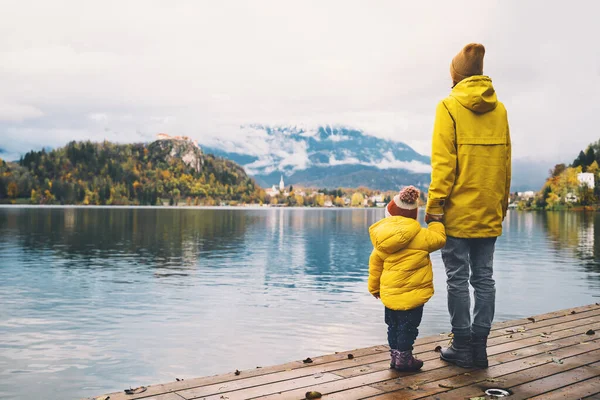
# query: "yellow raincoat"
{"points": [[471, 161], [399, 266]]}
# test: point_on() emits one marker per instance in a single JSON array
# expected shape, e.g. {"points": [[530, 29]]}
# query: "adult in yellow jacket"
{"points": [[470, 182], [400, 273]]}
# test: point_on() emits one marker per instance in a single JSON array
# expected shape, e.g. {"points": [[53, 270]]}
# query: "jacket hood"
{"points": [[476, 93], [392, 234]]}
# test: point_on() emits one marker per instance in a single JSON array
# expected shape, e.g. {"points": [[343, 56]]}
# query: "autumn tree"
{"points": [[13, 190], [357, 199]]}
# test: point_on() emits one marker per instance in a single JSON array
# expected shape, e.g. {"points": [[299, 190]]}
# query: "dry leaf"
{"points": [[477, 398], [531, 319], [350, 356], [544, 335], [494, 380], [318, 375], [414, 387], [438, 349], [446, 386], [573, 312], [313, 395], [514, 353], [137, 390], [307, 361], [590, 332], [584, 342], [467, 374], [237, 372], [557, 361]]}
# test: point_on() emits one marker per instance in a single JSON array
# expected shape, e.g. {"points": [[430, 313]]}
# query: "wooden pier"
{"points": [[550, 356]]}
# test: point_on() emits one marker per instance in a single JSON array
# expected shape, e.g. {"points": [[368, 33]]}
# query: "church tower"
{"points": [[281, 184]]}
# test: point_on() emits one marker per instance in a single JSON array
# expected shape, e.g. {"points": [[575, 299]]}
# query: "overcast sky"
{"points": [[127, 70]]}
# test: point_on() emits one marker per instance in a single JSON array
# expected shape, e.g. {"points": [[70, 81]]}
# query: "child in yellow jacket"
{"points": [[400, 272]]}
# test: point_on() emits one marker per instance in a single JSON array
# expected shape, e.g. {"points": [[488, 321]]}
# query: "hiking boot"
{"points": [[479, 346], [406, 362], [459, 353]]}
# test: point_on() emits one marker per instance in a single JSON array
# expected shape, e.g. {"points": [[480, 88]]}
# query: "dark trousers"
{"points": [[403, 327]]}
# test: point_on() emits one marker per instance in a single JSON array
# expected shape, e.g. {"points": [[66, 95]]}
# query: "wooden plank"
{"points": [[425, 353], [389, 380], [356, 362], [578, 390], [429, 384], [549, 319], [557, 381], [238, 390], [509, 375], [353, 394]]}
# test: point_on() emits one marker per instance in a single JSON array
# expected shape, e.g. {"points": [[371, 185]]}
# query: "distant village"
{"points": [[586, 183], [280, 196]]}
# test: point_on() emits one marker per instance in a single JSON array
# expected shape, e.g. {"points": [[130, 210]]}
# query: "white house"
{"points": [[586, 178], [530, 194], [571, 198]]}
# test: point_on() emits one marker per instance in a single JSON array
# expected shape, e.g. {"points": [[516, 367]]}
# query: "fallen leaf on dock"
{"points": [[317, 376], [467, 374], [350, 356], [514, 353], [531, 319], [223, 397], [557, 361], [446, 386], [414, 387], [137, 390], [237, 372], [477, 398], [584, 342], [494, 380], [307, 361], [509, 337], [177, 379], [573, 312], [438, 349], [313, 395], [590, 332], [544, 335]]}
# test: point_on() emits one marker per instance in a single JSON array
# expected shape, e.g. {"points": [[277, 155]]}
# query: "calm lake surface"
{"points": [[94, 300]]}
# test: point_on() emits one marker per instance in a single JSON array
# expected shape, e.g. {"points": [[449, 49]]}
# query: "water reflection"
{"points": [[95, 300]]}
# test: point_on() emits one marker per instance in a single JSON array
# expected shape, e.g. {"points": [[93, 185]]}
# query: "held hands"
{"points": [[376, 295], [433, 218]]}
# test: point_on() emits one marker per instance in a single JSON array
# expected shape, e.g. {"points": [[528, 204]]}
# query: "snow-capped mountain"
{"points": [[324, 156]]}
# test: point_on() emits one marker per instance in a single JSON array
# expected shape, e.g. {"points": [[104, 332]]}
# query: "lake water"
{"points": [[94, 300]]}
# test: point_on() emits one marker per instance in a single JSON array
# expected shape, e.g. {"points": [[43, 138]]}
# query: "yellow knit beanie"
{"points": [[468, 62]]}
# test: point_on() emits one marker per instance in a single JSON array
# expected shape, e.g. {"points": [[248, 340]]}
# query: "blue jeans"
{"points": [[403, 327], [470, 260]]}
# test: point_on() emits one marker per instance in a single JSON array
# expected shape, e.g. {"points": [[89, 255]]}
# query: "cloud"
{"points": [[203, 69], [18, 112]]}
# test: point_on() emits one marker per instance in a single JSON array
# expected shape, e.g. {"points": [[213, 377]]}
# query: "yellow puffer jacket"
{"points": [[471, 161], [399, 266]]}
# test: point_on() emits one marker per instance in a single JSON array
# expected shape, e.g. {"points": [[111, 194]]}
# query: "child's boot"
{"points": [[479, 346], [394, 357], [460, 352], [406, 362]]}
